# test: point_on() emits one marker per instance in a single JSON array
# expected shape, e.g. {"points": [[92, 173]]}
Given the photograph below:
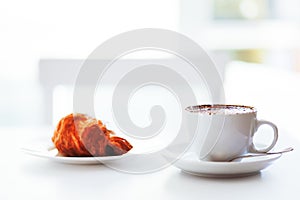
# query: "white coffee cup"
{"points": [[226, 131]]}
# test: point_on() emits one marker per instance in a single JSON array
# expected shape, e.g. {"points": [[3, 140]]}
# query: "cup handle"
{"points": [[275, 136]]}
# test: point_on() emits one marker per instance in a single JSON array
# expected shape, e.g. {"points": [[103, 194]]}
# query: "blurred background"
{"points": [[255, 44]]}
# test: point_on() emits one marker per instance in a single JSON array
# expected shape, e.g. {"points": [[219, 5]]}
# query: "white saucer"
{"points": [[190, 163], [47, 151]]}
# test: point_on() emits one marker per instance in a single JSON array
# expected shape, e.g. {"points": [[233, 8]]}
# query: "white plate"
{"points": [[189, 163], [47, 151]]}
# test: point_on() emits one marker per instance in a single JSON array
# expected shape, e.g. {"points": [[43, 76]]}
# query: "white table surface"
{"points": [[27, 177]]}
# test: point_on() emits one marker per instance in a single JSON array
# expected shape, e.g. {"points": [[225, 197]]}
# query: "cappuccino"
{"points": [[226, 131], [220, 109]]}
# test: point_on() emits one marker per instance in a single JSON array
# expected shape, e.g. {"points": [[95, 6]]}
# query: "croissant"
{"points": [[81, 135]]}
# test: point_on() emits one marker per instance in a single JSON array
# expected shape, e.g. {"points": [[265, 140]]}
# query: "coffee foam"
{"points": [[220, 109]]}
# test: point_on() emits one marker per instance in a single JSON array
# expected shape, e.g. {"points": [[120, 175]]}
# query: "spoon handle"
{"points": [[262, 154]]}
